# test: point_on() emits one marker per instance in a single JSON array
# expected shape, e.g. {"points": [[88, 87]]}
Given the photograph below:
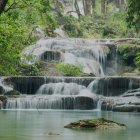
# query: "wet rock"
{"points": [[95, 124], [0, 104], [26, 85], [106, 106], [85, 103], [51, 56], [1, 90], [3, 98], [127, 108], [116, 86], [82, 103], [12, 94]]}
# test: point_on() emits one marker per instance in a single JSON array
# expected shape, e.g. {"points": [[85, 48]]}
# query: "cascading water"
{"points": [[99, 105], [110, 93], [97, 57], [90, 54], [60, 95]]}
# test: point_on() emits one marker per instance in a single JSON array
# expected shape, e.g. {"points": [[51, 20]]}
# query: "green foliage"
{"points": [[128, 53], [133, 17], [111, 26], [12, 38], [69, 70], [29, 70], [15, 28], [137, 60]]}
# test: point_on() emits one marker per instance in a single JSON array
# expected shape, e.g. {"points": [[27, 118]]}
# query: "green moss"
{"points": [[69, 70], [97, 123]]}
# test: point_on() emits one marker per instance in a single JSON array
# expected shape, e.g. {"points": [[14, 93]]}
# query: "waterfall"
{"points": [[60, 88], [72, 93], [90, 54], [99, 105], [57, 95]]}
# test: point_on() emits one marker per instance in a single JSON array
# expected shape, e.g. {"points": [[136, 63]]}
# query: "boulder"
{"points": [[96, 124], [12, 93]]}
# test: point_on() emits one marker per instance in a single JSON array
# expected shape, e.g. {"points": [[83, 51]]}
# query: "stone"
{"points": [[3, 98], [127, 108], [85, 103], [1, 90], [12, 94], [95, 124]]}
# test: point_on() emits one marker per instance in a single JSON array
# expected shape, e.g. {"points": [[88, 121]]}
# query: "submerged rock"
{"points": [[53, 134], [95, 124]]}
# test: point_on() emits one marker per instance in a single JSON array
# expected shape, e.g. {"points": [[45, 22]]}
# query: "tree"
{"points": [[2, 5], [87, 4], [17, 19], [133, 17]]}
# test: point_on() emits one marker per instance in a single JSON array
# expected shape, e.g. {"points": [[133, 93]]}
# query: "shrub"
{"points": [[69, 70], [137, 60], [29, 70]]}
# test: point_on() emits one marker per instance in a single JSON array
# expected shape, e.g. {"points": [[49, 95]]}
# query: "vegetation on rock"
{"points": [[95, 124], [129, 53], [69, 70]]}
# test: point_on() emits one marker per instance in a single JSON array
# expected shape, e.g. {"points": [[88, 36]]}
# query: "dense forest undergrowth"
{"points": [[20, 21]]}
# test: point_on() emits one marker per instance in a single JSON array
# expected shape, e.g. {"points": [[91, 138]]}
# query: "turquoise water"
{"points": [[36, 125]]}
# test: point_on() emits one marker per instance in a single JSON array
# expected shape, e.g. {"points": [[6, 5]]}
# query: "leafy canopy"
{"points": [[16, 24], [133, 17]]}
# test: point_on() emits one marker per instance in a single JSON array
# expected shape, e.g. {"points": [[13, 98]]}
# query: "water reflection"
{"points": [[48, 125]]}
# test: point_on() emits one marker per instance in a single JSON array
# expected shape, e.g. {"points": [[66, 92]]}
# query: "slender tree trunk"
{"points": [[2, 5], [87, 7], [93, 3], [77, 8], [103, 6], [121, 4], [93, 6]]}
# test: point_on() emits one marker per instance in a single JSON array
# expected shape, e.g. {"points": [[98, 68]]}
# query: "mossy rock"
{"points": [[95, 124], [3, 98], [1, 90], [128, 53], [12, 93]]}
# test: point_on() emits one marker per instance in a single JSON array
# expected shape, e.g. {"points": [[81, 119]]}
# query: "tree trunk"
{"points": [[2, 5], [121, 4], [103, 6], [77, 8], [93, 6], [87, 7]]}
